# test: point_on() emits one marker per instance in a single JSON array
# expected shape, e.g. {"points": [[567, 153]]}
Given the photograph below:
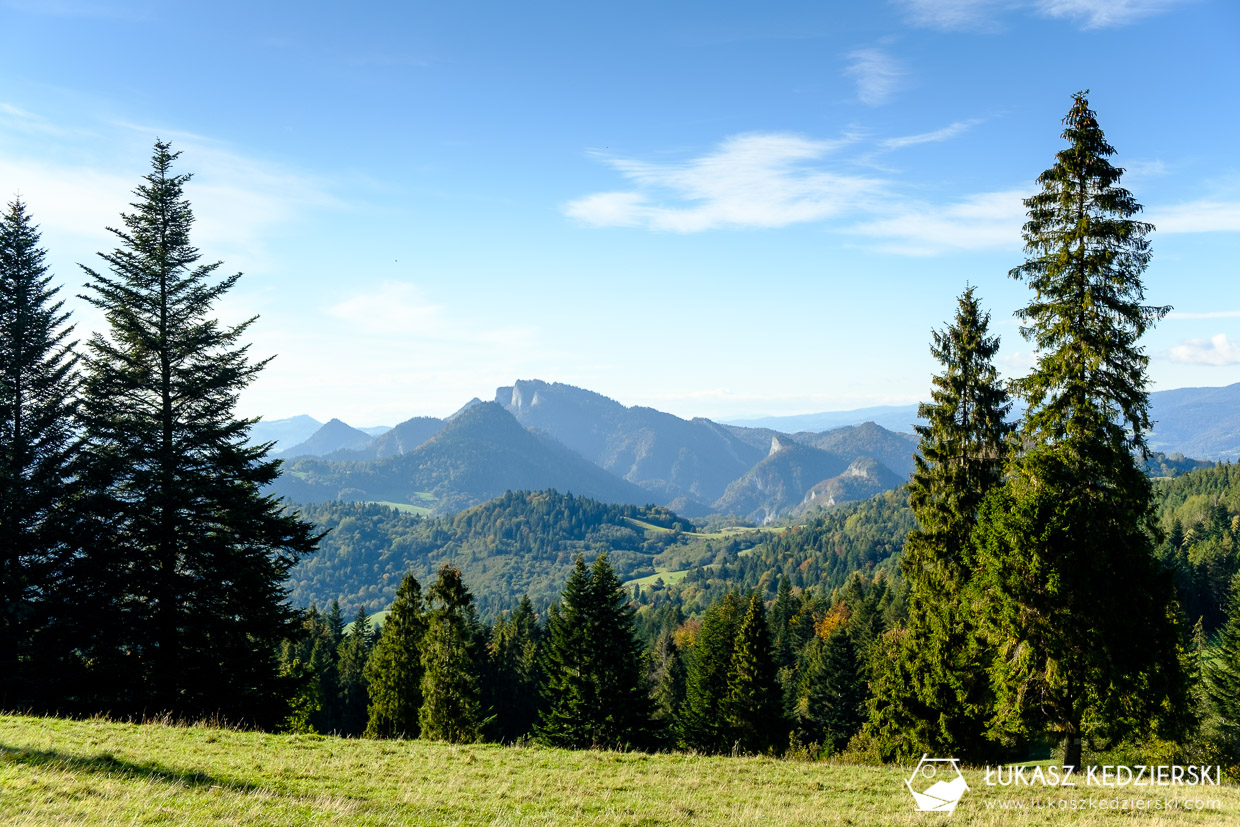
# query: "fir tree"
{"points": [[1080, 610], [1222, 673], [514, 673], [451, 710], [702, 724], [752, 708], [352, 657], [667, 677], [595, 690], [394, 670], [37, 389], [959, 461], [831, 701], [199, 554]]}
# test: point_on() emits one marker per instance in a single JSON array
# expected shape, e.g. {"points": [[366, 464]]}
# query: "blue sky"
{"points": [[715, 209]]}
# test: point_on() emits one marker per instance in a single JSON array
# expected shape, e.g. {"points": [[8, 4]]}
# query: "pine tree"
{"points": [[667, 676], [1080, 611], [175, 487], [451, 709], [959, 461], [751, 710], [37, 389], [394, 670], [709, 661], [595, 690]]}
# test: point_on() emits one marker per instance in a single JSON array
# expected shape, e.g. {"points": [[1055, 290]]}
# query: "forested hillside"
{"points": [[520, 543]]}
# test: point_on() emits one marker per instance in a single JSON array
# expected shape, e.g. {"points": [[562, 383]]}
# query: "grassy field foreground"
{"points": [[95, 772]]}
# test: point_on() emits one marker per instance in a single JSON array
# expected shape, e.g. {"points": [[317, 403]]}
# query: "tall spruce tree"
{"points": [[200, 554], [752, 709], [595, 691], [451, 709], [1222, 678], [393, 671], [37, 399], [831, 698], [1081, 613], [944, 663]]}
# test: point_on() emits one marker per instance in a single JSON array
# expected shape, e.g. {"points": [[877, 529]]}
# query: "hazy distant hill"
{"points": [[1197, 422], [892, 417], [862, 479], [334, 436], [894, 450], [285, 433], [479, 454], [779, 481], [658, 451], [395, 441]]}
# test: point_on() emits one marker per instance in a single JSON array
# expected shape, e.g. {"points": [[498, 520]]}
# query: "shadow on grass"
{"points": [[107, 764]]}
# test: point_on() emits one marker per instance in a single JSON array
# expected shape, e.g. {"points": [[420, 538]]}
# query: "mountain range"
{"points": [[536, 435]]}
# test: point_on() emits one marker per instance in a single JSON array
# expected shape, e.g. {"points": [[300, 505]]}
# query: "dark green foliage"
{"points": [[709, 663], [1080, 611], [451, 709], [595, 691], [752, 708], [667, 676], [831, 697], [37, 388], [393, 672], [514, 673], [942, 663], [1222, 672], [186, 559], [311, 659]]}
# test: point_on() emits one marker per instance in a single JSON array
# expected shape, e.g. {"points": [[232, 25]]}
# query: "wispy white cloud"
{"points": [[986, 15], [953, 15], [753, 180], [985, 220], [877, 74], [1102, 14], [946, 133], [1213, 314], [1197, 217], [1217, 350], [397, 311]]}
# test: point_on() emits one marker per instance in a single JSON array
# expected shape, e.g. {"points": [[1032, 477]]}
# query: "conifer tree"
{"points": [[199, 554], [752, 709], [393, 671], [37, 389], [1080, 611], [595, 691], [514, 673], [667, 676], [960, 460], [451, 709], [831, 700], [352, 658], [1223, 677], [709, 663]]}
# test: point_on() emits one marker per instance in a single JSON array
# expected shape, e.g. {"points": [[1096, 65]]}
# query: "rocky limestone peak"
{"points": [[776, 446]]}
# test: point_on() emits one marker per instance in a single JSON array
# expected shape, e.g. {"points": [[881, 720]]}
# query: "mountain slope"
{"points": [[894, 450], [479, 454], [393, 442], [285, 433], [658, 451], [334, 436], [779, 481], [1197, 422], [861, 480]]}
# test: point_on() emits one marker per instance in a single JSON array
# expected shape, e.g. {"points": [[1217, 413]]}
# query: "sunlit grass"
{"points": [[97, 772]]}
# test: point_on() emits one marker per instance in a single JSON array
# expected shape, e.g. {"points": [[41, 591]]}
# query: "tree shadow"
{"points": [[107, 764]]}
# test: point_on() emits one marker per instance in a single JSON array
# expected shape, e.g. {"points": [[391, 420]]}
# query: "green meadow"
{"points": [[55, 771]]}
